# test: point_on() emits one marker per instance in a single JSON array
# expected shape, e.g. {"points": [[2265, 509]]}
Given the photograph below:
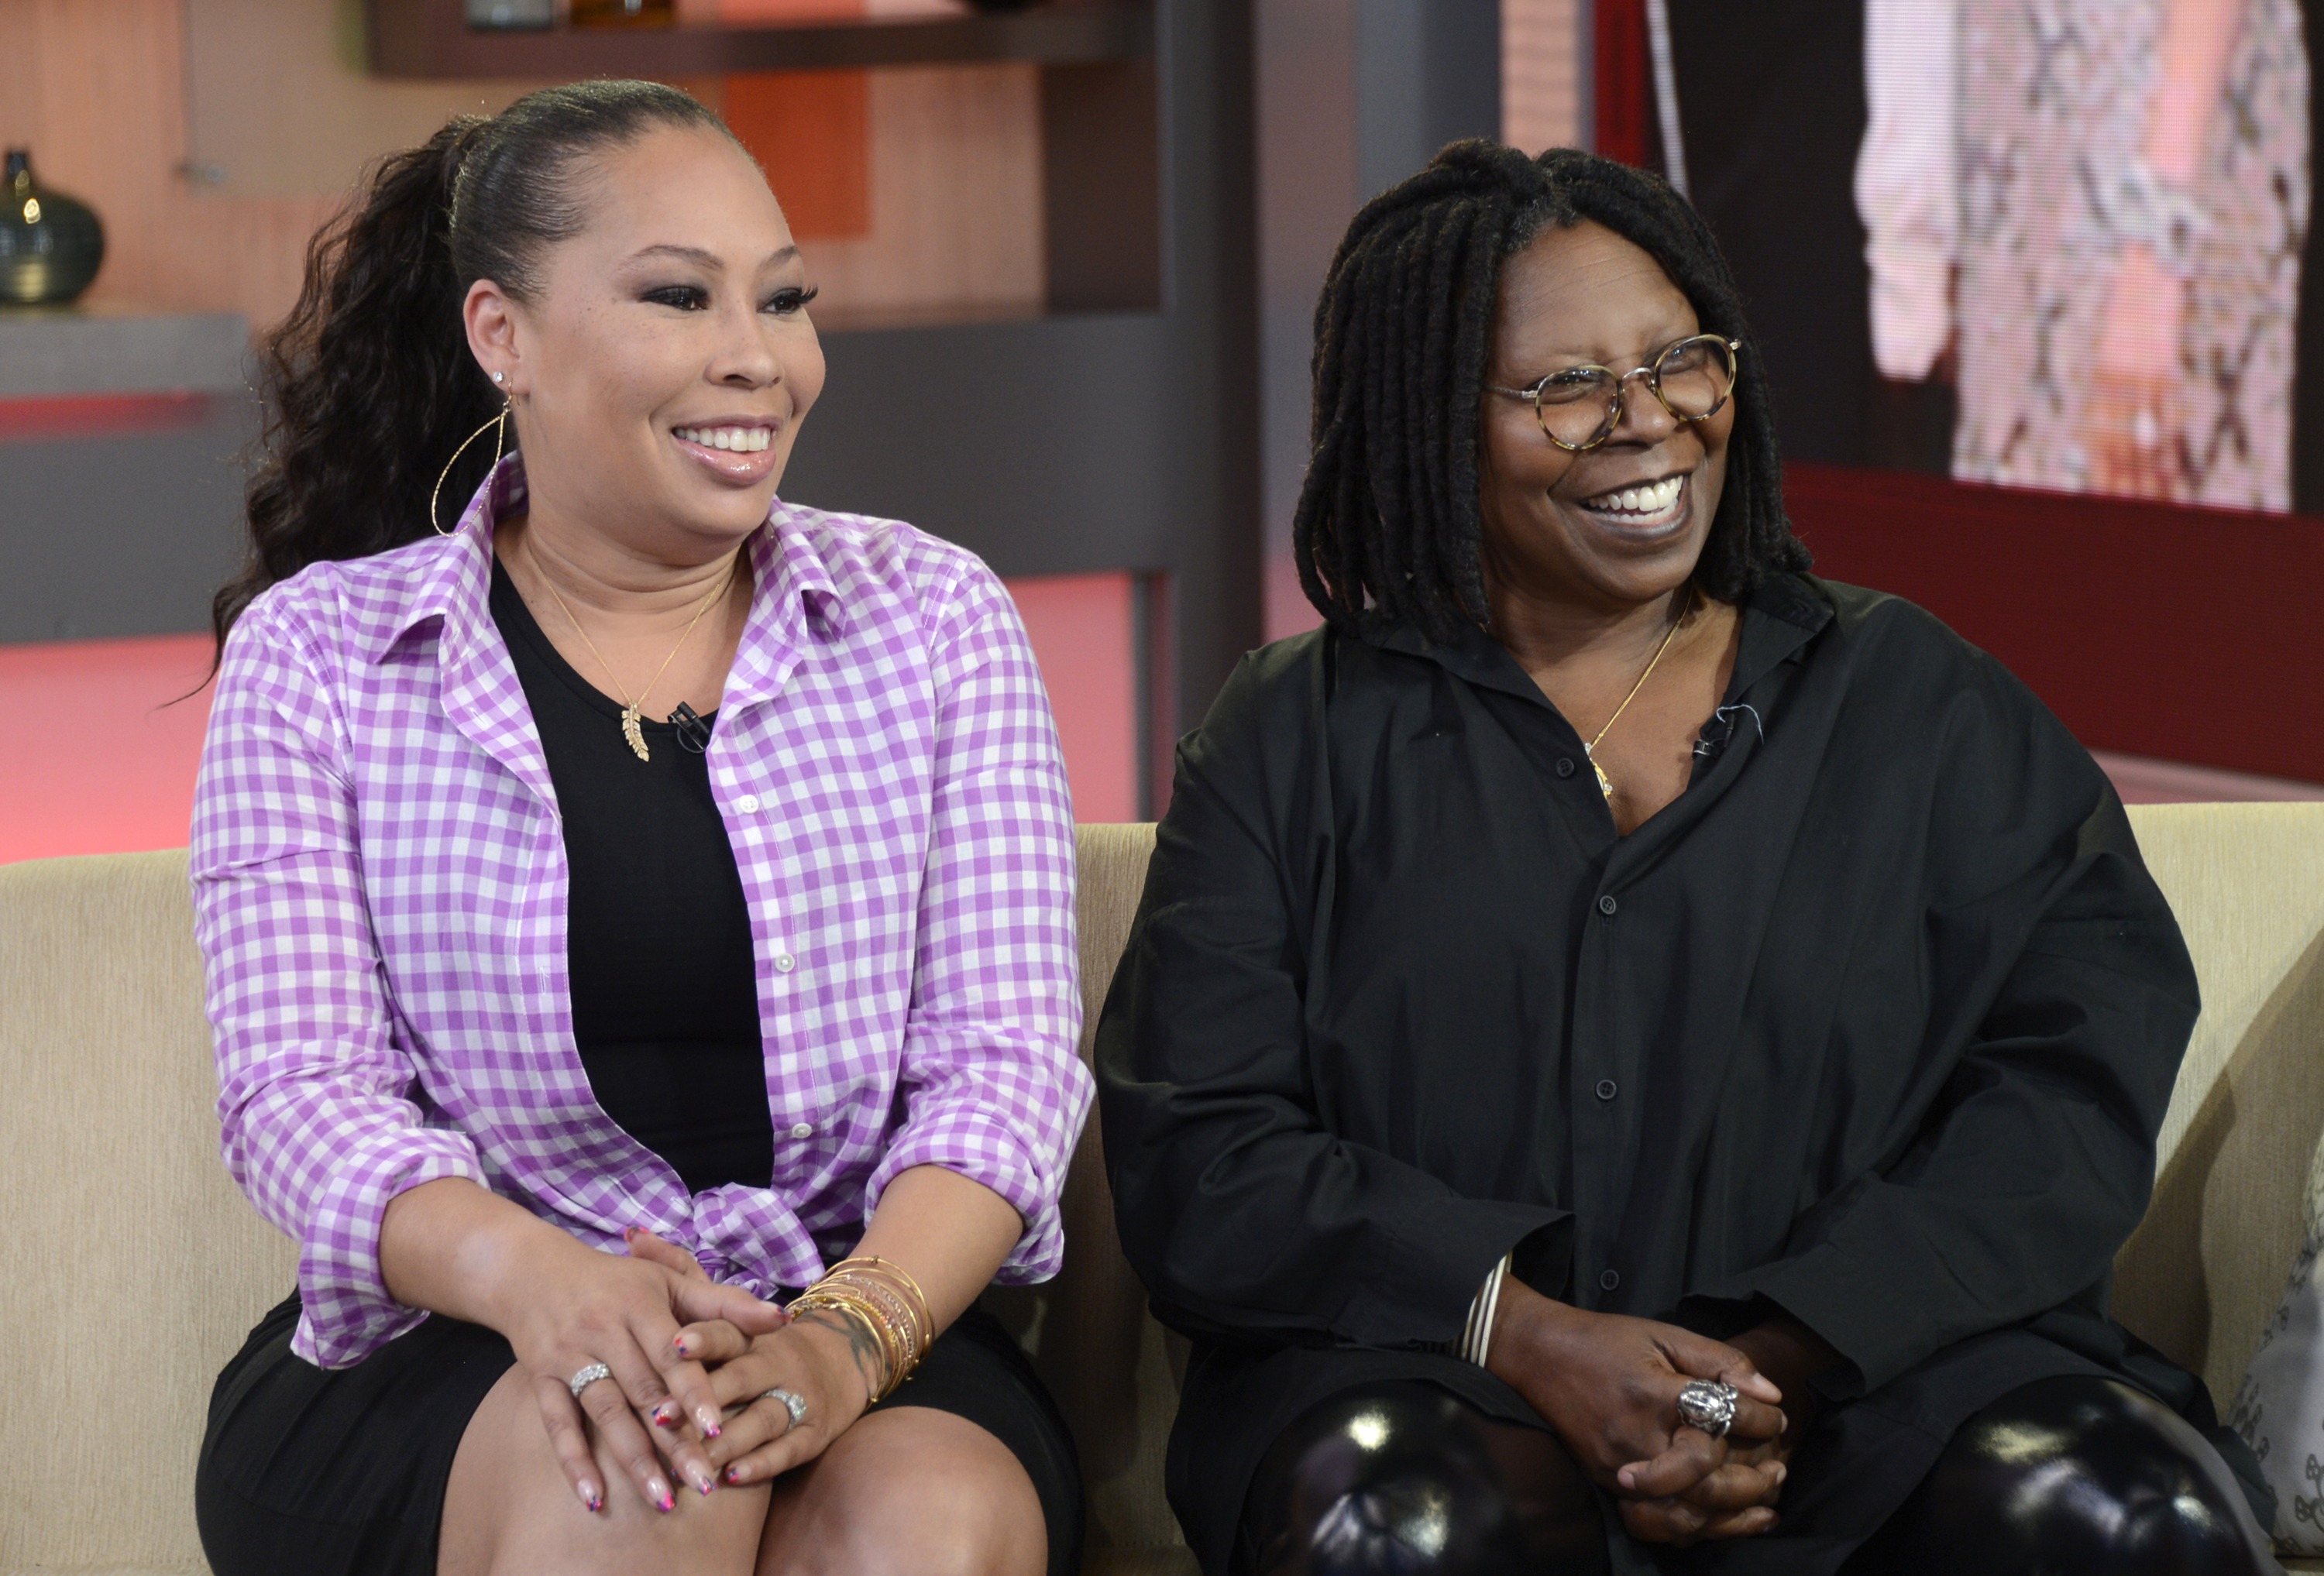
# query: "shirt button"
{"points": [[1607, 1089], [1565, 766], [1608, 1279], [748, 804], [1606, 904], [785, 962], [802, 1129]]}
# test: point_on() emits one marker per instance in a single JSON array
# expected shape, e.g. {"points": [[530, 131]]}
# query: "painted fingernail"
{"points": [[703, 1481], [678, 1346], [590, 1500], [734, 1474], [706, 1418], [662, 1499], [665, 1415]]}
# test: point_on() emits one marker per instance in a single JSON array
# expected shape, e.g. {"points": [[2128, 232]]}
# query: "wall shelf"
{"points": [[431, 39]]}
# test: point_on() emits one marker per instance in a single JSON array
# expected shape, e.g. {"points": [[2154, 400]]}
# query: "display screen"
{"points": [[2051, 244]]}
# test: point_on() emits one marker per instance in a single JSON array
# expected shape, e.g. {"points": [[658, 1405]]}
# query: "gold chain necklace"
{"points": [[1605, 784], [632, 709]]}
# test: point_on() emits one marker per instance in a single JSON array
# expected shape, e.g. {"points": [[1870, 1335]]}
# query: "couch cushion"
{"points": [[2203, 1271], [136, 1269], [1110, 1365]]}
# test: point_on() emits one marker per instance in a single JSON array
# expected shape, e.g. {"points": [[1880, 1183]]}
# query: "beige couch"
{"points": [[134, 1268]]}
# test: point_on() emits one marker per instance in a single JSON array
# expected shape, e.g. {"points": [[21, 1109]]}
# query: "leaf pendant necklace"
{"points": [[633, 711], [1605, 783]]}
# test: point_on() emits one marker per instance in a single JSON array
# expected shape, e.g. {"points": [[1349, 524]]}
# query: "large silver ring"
{"points": [[1708, 1405], [586, 1378], [795, 1405]]}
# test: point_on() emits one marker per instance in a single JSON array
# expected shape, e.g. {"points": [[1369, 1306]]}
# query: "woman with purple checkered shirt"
{"points": [[568, 1043]]}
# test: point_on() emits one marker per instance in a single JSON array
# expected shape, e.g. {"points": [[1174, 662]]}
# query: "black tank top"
{"points": [[657, 937]]}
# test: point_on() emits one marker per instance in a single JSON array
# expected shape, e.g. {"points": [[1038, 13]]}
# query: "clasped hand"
{"points": [[690, 1362], [1608, 1385], [823, 1359]]}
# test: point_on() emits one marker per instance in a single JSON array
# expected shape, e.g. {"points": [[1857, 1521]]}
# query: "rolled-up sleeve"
{"points": [[317, 1126], [993, 1087]]}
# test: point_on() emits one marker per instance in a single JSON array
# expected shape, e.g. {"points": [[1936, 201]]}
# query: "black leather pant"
{"points": [[2066, 1476], [2071, 1475], [1401, 1480]]}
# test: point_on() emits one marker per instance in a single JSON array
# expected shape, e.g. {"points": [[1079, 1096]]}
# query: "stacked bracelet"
{"points": [[883, 1300]]}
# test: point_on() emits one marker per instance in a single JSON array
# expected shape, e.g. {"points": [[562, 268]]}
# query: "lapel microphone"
{"points": [[693, 732]]}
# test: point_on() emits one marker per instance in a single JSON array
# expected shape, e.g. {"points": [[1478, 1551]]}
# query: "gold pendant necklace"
{"points": [[632, 710], [1606, 783]]}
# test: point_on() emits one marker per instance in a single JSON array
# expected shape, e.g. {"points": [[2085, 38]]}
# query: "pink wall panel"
{"points": [[1084, 633], [99, 760]]}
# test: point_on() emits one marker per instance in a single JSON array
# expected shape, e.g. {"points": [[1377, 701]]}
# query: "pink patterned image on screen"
{"points": [[2086, 217]]}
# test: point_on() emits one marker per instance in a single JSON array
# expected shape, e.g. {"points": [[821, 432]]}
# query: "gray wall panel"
{"points": [[125, 534], [1103, 441], [1118, 440]]}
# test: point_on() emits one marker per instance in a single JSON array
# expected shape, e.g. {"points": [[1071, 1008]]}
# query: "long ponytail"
{"points": [[368, 383]]}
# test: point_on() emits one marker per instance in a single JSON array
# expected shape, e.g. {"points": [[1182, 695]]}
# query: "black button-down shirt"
{"points": [[1876, 1022]]}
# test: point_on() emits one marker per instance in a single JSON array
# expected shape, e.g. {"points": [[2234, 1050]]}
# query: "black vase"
{"points": [[50, 244]]}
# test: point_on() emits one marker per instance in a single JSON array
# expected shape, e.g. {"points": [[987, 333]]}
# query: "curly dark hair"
{"points": [[368, 383], [1387, 528]]}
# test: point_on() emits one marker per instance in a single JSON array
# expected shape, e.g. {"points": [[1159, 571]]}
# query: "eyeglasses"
{"points": [[1579, 406]]}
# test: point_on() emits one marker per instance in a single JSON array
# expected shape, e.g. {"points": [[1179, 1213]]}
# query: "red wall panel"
{"points": [[1624, 83], [2188, 635]]}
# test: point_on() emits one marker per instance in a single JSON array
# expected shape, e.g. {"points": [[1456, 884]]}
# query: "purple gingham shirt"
{"points": [[380, 891]]}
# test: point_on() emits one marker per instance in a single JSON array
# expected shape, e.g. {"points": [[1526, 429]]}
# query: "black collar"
{"points": [[1781, 616]]}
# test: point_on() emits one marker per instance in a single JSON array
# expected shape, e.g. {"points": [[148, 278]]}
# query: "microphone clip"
{"points": [[693, 732], [1710, 745]]}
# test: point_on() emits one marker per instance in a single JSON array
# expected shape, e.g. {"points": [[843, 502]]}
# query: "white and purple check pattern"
{"points": [[379, 890]]}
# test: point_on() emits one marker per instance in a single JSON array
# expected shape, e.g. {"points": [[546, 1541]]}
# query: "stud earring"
{"points": [[499, 377]]}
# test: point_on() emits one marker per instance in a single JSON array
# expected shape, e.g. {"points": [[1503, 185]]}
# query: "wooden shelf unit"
{"points": [[431, 39]]}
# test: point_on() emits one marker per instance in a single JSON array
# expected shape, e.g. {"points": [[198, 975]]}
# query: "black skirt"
{"points": [[342, 1471]]}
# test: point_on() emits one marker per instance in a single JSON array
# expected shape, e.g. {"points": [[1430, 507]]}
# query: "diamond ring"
{"points": [[1708, 1405], [795, 1405], [586, 1378]]}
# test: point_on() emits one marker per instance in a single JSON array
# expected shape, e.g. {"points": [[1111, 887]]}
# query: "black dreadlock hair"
{"points": [[1387, 527]]}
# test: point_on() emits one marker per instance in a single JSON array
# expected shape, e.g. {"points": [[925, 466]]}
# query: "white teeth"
{"points": [[1652, 499], [743, 440]]}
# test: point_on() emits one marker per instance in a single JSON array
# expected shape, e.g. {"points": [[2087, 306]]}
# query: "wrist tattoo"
{"points": [[862, 1345]]}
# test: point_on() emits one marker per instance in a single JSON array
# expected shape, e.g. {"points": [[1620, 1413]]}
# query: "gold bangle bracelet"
{"points": [[900, 1352], [903, 1279], [892, 1302]]}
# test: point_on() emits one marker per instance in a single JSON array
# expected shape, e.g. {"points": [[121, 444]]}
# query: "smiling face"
{"points": [[663, 362], [1617, 525]]}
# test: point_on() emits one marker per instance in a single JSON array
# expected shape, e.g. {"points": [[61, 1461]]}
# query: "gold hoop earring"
{"points": [[499, 437]]}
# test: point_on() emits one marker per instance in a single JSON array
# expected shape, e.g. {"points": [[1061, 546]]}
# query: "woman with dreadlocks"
{"points": [[1635, 1057]]}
